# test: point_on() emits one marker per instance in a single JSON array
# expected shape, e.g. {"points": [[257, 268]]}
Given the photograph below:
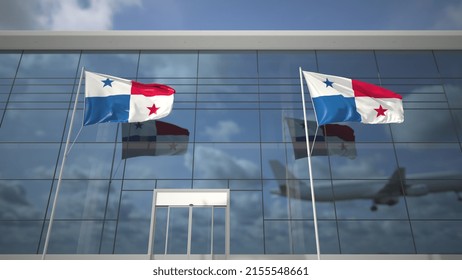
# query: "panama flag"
{"points": [[153, 138], [333, 139], [338, 99], [113, 99]]}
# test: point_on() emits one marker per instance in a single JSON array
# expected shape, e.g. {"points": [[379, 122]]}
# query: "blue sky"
{"points": [[230, 15]]}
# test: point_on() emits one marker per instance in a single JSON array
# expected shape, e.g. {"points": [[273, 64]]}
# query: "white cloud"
{"points": [[450, 18], [223, 131], [61, 15]]}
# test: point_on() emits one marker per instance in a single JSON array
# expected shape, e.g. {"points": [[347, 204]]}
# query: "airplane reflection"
{"points": [[396, 186]]}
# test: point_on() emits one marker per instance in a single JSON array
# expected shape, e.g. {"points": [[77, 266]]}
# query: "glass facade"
{"points": [[399, 194]]}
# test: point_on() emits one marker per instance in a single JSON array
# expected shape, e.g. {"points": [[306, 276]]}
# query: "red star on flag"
{"points": [[380, 111], [153, 109]]}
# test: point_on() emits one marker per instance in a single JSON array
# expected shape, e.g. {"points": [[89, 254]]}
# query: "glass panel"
{"points": [[369, 199], [276, 203], [453, 89], [211, 184], [437, 127], [23, 199], [434, 198], [430, 161], [33, 125], [159, 167], [437, 237], [119, 64], [8, 64], [227, 161], [37, 96], [81, 199], [201, 235], [226, 93], [227, 64], [458, 121], [160, 230], [340, 63], [406, 64], [31, 161], [277, 237], [449, 63], [74, 237], [285, 64], [246, 222], [174, 184], [304, 241], [20, 237], [134, 222], [179, 64], [245, 184], [178, 231], [48, 65], [112, 208], [373, 161], [145, 185], [375, 237], [89, 161], [108, 239], [219, 230], [273, 126], [227, 126]]}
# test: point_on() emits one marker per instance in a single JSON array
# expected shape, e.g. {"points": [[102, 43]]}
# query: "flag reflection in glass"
{"points": [[153, 138]]}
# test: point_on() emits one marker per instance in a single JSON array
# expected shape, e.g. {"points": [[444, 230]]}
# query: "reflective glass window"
{"points": [[449, 63], [437, 237], [82, 199], [119, 64], [33, 126], [108, 237], [406, 64], [453, 89], [351, 64], [48, 65], [74, 237], [201, 230], [227, 161], [23, 199], [20, 237], [227, 64], [182, 64], [276, 64], [372, 161], [277, 237], [304, 241], [375, 237], [158, 167], [434, 197], [134, 220], [8, 64], [31, 161], [227, 126], [177, 242], [369, 199], [246, 223], [437, 127], [458, 121], [89, 161], [430, 160]]}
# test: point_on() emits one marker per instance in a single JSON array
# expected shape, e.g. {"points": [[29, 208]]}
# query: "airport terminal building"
{"points": [[224, 175]]}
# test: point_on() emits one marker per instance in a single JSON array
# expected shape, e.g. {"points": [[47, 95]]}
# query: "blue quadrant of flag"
{"points": [[336, 108]]}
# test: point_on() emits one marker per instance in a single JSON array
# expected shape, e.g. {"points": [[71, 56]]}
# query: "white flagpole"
{"points": [[308, 151], [58, 187]]}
